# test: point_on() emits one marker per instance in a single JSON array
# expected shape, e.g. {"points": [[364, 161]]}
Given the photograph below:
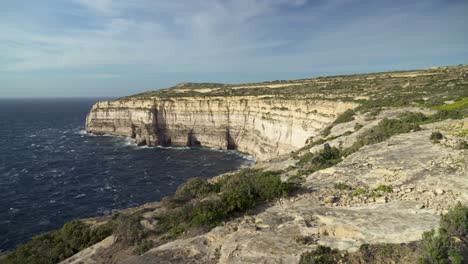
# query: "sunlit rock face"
{"points": [[262, 127]]}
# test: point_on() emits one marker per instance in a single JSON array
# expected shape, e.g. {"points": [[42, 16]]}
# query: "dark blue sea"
{"points": [[51, 171]]}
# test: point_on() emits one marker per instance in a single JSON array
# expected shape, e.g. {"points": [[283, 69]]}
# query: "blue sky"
{"points": [[89, 48]]}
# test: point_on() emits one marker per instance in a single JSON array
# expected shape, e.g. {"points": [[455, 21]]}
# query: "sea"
{"points": [[52, 171]]}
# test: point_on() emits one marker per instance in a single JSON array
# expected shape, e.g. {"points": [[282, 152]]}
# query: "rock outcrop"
{"points": [[259, 126]]}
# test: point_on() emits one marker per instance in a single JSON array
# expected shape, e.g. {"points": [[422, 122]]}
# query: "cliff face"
{"points": [[263, 127]]}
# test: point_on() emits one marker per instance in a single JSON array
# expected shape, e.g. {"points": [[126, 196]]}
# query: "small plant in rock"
{"points": [[462, 144], [346, 116], [357, 126], [384, 189], [144, 246], [436, 136], [359, 191], [321, 255], [342, 186]]}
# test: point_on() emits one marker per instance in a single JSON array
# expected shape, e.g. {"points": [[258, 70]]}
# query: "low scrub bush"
{"points": [[55, 246], [321, 255], [385, 253], [346, 116], [326, 158], [441, 246], [436, 248], [436, 136], [193, 188], [455, 222], [144, 246], [385, 129], [128, 229], [342, 186], [384, 189], [457, 105], [237, 193]]}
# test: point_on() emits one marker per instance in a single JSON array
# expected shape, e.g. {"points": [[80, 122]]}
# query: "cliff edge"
{"points": [[351, 169]]}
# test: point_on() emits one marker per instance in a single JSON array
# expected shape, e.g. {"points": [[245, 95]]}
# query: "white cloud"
{"points": [[102, 6], [222, 35]]}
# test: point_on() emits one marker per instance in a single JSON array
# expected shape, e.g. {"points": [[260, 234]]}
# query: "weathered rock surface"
{"points": [[427, 179], [86, 255]]}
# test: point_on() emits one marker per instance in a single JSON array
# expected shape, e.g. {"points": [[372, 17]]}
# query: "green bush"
{"points": [[385, 253], [342, 186], [447, 114], [440, 247], [384, 189], [385, 129], [144, 246], [329, 155], [55, 246], [128, 229], [193, 188], [321, 255], [436, 136], [463, 144], [326, 158], [236, 193], [435, 248], [346, 116], [455, 222], [359, 191]]}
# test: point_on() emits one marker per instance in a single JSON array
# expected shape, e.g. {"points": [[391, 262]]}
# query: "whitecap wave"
{"points": [[79, 196]]}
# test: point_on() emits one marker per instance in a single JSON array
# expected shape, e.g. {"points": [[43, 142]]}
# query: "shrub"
{"points": [[455, 222], [439, 247], [326, 158], [326, 131], [384, 188], [359, 191], [144, 246], [193, 188], [321, 255], [128, 229], [436, 136], [346, 116], [55, 246], [447, 114], [236, 193], [462, 144], [435, 248], [385, 129], [342, 186], [386, 253]]}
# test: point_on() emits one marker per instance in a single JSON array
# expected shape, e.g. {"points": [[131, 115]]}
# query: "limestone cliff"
{"points": [[263, 127]]}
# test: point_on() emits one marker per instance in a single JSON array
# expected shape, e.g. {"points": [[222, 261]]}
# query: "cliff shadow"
{"points": [[192, 140], [160, 127], [230, 141]]}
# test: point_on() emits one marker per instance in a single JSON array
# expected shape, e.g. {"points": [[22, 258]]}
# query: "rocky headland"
{"points": [[357, 167]]}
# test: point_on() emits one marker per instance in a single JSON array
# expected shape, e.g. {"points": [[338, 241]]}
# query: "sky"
{"points": [[111, 48]]}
